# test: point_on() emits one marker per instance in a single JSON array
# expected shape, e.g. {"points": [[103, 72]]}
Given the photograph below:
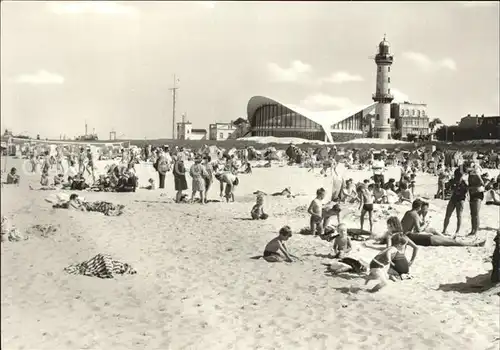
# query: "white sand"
{"points": [[197, 287]]}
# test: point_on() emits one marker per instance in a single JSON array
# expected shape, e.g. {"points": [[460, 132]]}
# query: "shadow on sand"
{"points": [[349, 290], [478, 284]]}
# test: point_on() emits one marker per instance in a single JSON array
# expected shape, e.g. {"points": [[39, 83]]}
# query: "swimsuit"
{"points": [[269, 253], [368, 207], [420, 239], [400, 263]]}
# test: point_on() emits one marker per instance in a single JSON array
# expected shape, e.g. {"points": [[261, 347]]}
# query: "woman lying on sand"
{"points": [[273, 249], [74, 203]]}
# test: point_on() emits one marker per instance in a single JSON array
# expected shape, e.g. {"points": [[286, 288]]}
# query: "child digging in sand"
{"points": [[379, 266], [316, 212], [341, 244], [257, 212], [277, 245]]}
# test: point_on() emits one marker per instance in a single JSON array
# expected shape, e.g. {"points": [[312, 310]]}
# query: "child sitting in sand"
{"points": [[151, 185], [44, 180], [58, 179], [13, 177], [379, 194], [342, 243], [326, 167], [257, 212], [380, 264], [405, 196], [316, 211], [277, 245]]}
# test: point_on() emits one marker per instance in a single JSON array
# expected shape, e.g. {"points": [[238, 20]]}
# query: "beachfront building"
{"points": [[410, 118], [474, 121], [185, 131], [269, 117], [221, 131]]}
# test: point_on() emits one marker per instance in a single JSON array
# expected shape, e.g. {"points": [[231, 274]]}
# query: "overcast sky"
{"points": [[112, 63]]}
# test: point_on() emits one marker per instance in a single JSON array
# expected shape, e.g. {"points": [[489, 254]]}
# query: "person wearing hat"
{"points": [[198, 173]]}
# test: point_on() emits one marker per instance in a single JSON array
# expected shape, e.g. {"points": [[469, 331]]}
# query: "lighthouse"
{"points": [[382, 95]]}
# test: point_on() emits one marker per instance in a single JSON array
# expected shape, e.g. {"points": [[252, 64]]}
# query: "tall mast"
{"points": [[174, 95]]}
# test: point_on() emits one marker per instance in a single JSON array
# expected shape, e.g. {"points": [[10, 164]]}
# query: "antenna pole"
{"points": [[174, 93]]}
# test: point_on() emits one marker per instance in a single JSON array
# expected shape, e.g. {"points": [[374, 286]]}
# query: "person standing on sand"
{"points": [[198, 173], [209, 176], [476, 195], [162, 167], [180, 182], [457, 200], [81, 160], [378, 167], [366, 204]]}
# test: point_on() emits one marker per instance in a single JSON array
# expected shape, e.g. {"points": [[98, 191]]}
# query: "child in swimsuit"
{"points": [[44, 180], [379, 265], [405, 195], [366, 204], [342, 243], [316, 211], [258, 210], [277, 245], [13, 177]]}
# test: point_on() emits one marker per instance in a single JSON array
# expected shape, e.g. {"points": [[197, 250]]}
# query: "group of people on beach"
{"points": [[202, 173], [413, 229]]}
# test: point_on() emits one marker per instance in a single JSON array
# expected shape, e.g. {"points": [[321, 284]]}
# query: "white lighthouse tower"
{"points": [[382, 95]]}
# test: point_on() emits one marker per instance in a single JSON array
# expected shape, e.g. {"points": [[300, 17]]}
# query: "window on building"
{"points": [[377, 117], [389, 91], [221, 135], [418, 113], [379, 69], [388, 120], [413, 112], [389, 79], [388, 69]]}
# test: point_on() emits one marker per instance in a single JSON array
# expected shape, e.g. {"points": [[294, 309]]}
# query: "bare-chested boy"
{"points": [[276, 251], [342, 243], [316, 211], [366, 204]]}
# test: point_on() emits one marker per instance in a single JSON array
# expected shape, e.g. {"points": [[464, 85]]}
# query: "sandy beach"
{"points": [[197, 287]]}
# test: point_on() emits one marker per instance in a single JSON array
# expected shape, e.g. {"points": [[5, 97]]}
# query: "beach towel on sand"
{"points": [[102, 266]]}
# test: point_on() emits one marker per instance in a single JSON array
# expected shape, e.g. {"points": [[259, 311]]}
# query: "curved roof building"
{"points": [[269, 117]]}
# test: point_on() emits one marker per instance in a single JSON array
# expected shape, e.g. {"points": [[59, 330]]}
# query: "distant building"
{"points": [[221, 131], [473, 122], [185, 131], [410, 118]]}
